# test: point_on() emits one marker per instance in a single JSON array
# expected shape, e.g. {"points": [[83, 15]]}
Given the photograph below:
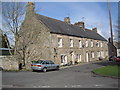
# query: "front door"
{"points": [[72, 57], [63, 59], [79, 57], [87, 57]]}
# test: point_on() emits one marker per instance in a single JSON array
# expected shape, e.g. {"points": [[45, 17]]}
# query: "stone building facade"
{"points": [[60, 41]]}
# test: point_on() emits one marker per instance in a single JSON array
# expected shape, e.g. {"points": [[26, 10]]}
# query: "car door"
{"points": [[48, 65], [52, 65]]}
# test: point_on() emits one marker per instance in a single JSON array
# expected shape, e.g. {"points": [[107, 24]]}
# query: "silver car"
{"points": [[44, 65]]}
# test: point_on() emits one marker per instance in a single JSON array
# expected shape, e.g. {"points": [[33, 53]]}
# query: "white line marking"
{"points": [[76, 85], [7, 86], [45, 86], [66, 86], [98, 85]]}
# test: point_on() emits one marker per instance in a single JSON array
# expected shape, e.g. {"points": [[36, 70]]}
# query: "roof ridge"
{"points": [[54, 19]]}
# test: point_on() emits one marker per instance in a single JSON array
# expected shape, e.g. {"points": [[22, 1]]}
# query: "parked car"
{"points": [[112, 58], [44, 65], [118, 59]]}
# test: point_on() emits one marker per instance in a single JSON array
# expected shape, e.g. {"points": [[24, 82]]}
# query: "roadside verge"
{"points": [[111, 71]]}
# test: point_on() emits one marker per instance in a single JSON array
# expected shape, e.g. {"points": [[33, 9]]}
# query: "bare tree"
{"points": [[25, 36], [25, 40], [13, 15], [29, 46]]}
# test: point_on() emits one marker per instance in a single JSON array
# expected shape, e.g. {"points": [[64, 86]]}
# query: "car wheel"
{"points": [[33, 70], [44, 69], [57, 68]]}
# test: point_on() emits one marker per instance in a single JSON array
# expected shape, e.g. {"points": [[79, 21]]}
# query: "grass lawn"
{"points": [[112, 70]]}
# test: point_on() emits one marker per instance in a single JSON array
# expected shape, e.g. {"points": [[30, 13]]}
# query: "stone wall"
{"points": [[67, 50], [8, 63]]}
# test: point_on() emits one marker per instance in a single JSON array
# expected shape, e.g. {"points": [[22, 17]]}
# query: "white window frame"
{"points": [[79, 57], [91, 43], [80, 44], [86, 43], [98, 44], [101, 44], [102, 54], [93, 55], [106, 53], [59, 42], [98, 54], [71, 42]]}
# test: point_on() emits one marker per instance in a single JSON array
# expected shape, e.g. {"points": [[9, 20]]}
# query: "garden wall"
{"points": [[8, 63]]}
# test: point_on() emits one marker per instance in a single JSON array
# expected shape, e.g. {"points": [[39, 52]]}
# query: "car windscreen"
{"points": [[39, 61]]}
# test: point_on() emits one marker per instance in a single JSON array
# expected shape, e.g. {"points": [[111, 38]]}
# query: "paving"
{"points": [[77, 76]]}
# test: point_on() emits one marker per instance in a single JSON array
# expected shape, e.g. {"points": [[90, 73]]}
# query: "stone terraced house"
{"points": [[60, 41]]}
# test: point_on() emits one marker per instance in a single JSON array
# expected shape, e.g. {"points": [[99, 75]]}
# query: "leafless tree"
{"points": [[25, 36], [13, 15], [25, 40], [29, 46]]}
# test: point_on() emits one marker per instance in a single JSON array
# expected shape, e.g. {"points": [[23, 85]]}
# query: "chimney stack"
{"points": [[67, 20], [30, 8], [81, 25], [94, 29]]}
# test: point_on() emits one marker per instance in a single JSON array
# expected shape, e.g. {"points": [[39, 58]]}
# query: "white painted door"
{"points": [[102, 54], [87, 57], [62, 59], [65, 59], [72, 57], [79, 57]]}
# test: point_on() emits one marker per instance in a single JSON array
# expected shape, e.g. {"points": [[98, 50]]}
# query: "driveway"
{"points": [[79, 76]]}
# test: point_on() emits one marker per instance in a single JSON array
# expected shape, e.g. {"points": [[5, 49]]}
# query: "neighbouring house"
{"points": [[42, 37], [6, 60], [4, 46], [112, 50], [117, 45]]}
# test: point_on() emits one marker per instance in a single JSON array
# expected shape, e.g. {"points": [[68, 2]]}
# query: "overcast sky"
{"points": [[95, 13]]}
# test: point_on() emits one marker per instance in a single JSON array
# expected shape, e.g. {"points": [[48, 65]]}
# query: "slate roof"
{"points": [[60, 27]]}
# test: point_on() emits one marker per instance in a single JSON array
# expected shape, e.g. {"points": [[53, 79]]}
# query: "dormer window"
{"points": [[59, 42]]}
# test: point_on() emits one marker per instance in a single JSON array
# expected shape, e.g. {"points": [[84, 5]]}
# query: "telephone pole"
{"points": [[110, 18]]}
